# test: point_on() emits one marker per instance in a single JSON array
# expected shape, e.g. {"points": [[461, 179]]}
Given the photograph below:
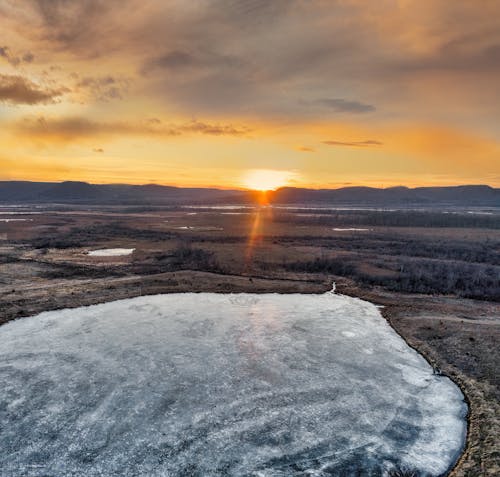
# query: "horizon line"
{"points": [[242, 189]]}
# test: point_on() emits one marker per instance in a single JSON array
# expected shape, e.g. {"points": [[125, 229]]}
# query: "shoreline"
{"points": [[386, 314], [463, 466], [457, 382]]}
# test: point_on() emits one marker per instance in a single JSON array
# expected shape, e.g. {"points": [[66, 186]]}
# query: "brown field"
{"points": [[437, 275]]}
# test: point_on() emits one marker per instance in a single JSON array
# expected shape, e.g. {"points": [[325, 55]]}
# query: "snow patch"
{"points": [[111, 252], [352, 229], [205, 228], [16, 220]]}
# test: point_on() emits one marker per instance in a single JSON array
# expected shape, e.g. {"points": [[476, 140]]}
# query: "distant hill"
{"points": [[84, 193], [469, 195]]}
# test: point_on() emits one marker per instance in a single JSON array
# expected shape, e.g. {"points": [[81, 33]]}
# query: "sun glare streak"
{"points": [[252, 238], [255, 235]]}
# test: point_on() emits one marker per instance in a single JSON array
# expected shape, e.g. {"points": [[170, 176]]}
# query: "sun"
{"points": [[266, 179]]}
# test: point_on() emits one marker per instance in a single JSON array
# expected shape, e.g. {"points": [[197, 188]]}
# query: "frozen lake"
{"points": [[213, 385]]}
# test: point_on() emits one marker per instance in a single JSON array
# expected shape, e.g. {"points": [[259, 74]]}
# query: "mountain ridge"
{"points": [[154, 194]]}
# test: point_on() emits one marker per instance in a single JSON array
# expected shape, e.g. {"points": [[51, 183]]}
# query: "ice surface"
{"points": [[194, 227], [111, 252], [213, 385], [16, 220], [235, 213], [351, 229]]}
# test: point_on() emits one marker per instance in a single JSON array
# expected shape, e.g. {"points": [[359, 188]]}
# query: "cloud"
{"points": [[28, 57], [103, 88], [418, 61], [98, 149], [171, 59], [76, 128], [367, 143], [306, 149], [5, 53], [200, 60], [97, 82], [13, 59], [216, 57], [340, 105], [74, 24], [211, 129], [15, 89]]}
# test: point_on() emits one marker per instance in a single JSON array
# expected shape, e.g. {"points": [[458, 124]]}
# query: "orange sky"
{"points": [[213, 93]]}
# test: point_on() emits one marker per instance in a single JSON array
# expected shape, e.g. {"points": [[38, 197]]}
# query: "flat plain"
{"points": [[435, 273]]}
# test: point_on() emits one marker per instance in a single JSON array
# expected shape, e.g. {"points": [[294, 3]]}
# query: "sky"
{"points": [[242, 93]]}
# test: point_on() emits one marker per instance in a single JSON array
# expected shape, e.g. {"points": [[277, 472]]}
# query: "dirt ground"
{"points": [[44, 265]]}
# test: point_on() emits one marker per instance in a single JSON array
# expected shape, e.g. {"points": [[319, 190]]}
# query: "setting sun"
{"points": [[266, 179]]}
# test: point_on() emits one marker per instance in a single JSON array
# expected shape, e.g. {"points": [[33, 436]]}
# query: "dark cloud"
{"points": [[86, 28], [104, 88], [276, 58], [252, 13], [182, 61], [459, 56], [252, 57], [7, 55], [477, 51], [28, 57], [72, 24], [15, 60], [75, 128], [367, 143], [172, 59], [340, 105], [98, 149], [97, 82], [18, 90]]}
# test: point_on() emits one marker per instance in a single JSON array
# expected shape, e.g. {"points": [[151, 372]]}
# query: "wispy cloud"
{"points": [[306, 149], [172, 59], [366, 143], [103, 88], [74, 128], [340, 105]]}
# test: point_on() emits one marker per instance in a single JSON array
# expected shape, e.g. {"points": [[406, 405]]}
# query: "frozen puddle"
{"points": [[221, 385], [111, 252], [351, 229], [16, 220], [194, 227]]}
